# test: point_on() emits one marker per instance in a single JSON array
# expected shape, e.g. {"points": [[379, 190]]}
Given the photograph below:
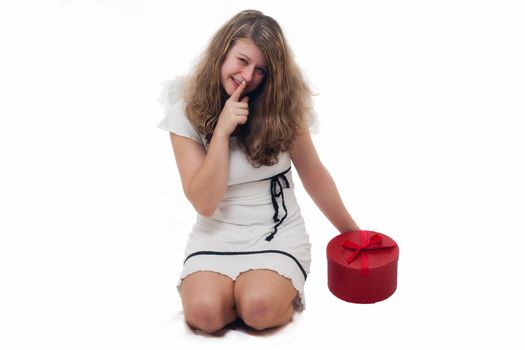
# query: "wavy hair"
{"points": [[280, 106]]}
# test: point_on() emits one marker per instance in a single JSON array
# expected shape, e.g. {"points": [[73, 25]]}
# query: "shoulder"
{"points": [[171, 92], [175, 113], [176, 120]]}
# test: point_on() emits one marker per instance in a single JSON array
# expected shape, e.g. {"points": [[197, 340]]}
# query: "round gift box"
{"points": [[362, 266]]}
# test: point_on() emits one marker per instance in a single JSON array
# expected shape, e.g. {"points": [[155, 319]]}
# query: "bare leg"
{"points": [[208, 302], [264, 298]]}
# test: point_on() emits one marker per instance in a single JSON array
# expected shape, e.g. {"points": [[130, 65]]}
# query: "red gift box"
{"points": [[362, 266]]}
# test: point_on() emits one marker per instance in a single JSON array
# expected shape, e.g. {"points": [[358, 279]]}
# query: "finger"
{"points": [[245, 99], [242, 112], [243, 120], [237, 93], [242, 105]]}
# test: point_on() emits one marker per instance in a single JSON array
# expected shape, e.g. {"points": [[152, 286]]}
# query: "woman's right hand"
{"points": [[234, 112]]}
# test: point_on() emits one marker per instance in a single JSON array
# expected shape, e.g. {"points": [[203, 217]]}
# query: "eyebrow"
{"points": [[249, 59]]}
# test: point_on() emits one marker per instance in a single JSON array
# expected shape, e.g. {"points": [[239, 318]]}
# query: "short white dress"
{"points": [[257, 225]]}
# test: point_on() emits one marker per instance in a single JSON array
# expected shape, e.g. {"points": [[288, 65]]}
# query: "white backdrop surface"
{"points": [[419, 106]]}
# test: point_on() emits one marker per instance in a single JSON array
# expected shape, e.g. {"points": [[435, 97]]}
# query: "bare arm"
{"points": [[319, 184], [204, 175]]}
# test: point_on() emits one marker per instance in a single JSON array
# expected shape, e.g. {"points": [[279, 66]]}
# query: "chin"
{"points": [[230, 90]]}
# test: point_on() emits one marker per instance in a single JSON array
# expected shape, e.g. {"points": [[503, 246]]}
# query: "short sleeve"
{"points": [[175, 119], [313, 122]]}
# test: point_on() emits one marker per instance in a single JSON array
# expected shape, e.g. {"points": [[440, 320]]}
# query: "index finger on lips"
{"points": [[237, 93]]}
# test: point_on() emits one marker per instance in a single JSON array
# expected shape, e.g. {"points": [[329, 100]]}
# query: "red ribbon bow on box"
{"points": [[374, 243]]}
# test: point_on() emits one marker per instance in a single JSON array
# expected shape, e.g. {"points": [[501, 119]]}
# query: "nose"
{"points": [[247, 73]]}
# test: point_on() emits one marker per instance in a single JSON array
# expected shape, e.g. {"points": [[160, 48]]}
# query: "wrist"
{"points": [[220, 135], [351, 226]]}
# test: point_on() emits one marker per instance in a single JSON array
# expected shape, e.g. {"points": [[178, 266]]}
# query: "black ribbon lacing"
{"points": [[276, 189]]}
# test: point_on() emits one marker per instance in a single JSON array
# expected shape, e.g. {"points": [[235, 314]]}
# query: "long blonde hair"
{"points": [[279, 107]]}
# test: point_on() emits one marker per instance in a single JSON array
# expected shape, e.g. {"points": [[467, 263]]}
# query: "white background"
{"points": [[419, 105]]}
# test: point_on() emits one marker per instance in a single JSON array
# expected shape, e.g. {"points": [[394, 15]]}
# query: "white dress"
{"points": [[258, 224]]}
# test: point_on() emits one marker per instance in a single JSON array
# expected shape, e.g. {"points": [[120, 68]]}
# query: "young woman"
{"points": [[236, 124]]}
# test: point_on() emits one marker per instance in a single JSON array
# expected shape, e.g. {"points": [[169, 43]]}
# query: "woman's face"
{"points": [[244, 61]]}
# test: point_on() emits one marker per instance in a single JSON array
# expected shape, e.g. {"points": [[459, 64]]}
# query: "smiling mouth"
{"points": [[237, 83]]}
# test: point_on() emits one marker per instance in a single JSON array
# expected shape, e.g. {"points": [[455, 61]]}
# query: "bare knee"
{"points": [[261, 312], [206, 314], [207, 299]]}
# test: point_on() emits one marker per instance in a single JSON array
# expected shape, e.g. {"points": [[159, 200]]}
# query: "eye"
{"points": [[261, 70], [242, 60]]}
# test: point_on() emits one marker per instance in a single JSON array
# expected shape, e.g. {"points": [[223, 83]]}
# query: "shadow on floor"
{"points": [[236, 326]]}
